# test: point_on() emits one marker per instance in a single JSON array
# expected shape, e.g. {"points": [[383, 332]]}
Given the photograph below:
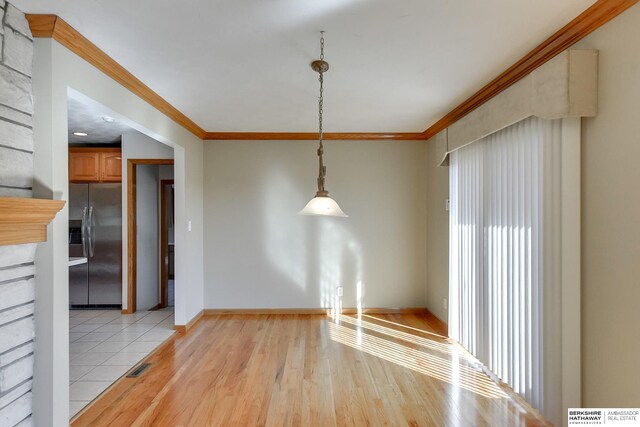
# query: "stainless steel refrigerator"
{"points": [[95, 232]]}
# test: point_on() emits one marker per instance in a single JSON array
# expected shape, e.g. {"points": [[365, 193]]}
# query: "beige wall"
{"points": [[259, 253], [611, 221], [437, 234]]}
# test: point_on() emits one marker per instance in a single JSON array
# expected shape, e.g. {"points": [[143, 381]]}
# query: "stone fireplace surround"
{"points": [[17, 269]]}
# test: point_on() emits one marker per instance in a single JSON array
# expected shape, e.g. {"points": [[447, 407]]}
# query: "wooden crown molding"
{"points": [[303, 136], [584, 24], [54, 27], [24, 220], [601, 12], [42, 25]]}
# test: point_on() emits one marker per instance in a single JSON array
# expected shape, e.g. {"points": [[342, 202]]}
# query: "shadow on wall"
{"points": [[316, 254]]}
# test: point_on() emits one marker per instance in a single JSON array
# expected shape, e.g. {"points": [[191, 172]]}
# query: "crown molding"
{"points": [[591, 19], [584, 24], [300, 136], [42, 25], [52, 26]]}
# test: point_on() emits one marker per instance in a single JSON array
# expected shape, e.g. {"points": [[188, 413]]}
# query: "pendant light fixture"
{"points": [[321, 204]]}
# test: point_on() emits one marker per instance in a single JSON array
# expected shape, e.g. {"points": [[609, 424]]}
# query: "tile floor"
{"points": [[105, 344]]}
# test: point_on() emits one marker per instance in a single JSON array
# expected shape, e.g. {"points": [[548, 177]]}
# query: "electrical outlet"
{"points": [[339, 291], [444, 303]]}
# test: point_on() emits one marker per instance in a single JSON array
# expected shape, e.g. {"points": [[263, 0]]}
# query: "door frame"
{"points": [[132, 209], [164, 242]]}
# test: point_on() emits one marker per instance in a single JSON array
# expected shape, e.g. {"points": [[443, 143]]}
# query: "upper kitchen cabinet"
{"points": [[111, 166], [84, 166], [95, 165]]}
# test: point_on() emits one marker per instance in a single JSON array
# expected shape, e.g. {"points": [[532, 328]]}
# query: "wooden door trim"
{"points": [[164, 241], [132, 244]]}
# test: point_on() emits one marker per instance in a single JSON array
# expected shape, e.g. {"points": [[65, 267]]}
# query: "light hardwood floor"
{"points": [[309, 370]]}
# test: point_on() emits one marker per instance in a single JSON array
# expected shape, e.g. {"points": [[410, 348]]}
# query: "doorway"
{"points": [[133, 220], [167, 246], [103, 344]]}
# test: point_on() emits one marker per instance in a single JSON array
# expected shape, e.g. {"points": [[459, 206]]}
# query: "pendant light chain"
{"points": [[321, 79], [322, 168], [321, 204]]}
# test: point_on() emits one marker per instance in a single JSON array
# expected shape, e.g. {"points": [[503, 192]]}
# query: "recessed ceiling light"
{"points": [[107, 119], [80, 134]]}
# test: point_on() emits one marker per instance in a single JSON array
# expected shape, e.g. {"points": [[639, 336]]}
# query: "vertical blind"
{"points": [[504, 288]]}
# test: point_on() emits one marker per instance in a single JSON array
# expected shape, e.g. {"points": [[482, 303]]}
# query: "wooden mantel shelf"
{"points": [[24, 220]]}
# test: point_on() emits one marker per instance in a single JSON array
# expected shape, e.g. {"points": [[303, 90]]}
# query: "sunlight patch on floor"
{"points": [[449, 371], [422, 331], [414, 339]]}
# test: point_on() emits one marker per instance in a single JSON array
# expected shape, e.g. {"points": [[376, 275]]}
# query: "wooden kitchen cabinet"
{"points": [[111, 166], [95, 165], [84, 166]]}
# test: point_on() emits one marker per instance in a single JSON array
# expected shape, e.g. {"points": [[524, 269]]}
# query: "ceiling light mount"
{"points": [[320, 66], [321, 204]]}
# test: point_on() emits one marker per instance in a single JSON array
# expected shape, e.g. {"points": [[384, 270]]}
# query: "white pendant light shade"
{"points": [[323, 205]]}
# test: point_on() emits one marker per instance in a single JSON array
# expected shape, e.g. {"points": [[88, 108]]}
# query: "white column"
{"points": [[51, 375]]}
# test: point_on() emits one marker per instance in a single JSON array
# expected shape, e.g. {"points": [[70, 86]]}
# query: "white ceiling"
{"points": [[243, 65], [89, 118]]}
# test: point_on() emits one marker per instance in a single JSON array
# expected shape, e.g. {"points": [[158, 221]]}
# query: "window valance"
{"points": [[565, 86]]}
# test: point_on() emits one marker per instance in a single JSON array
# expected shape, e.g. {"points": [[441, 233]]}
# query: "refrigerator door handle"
{"points": [[91, 233], [83, 232]]}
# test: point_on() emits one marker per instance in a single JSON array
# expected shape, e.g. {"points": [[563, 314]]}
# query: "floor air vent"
{"points": [[138, 370]]}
